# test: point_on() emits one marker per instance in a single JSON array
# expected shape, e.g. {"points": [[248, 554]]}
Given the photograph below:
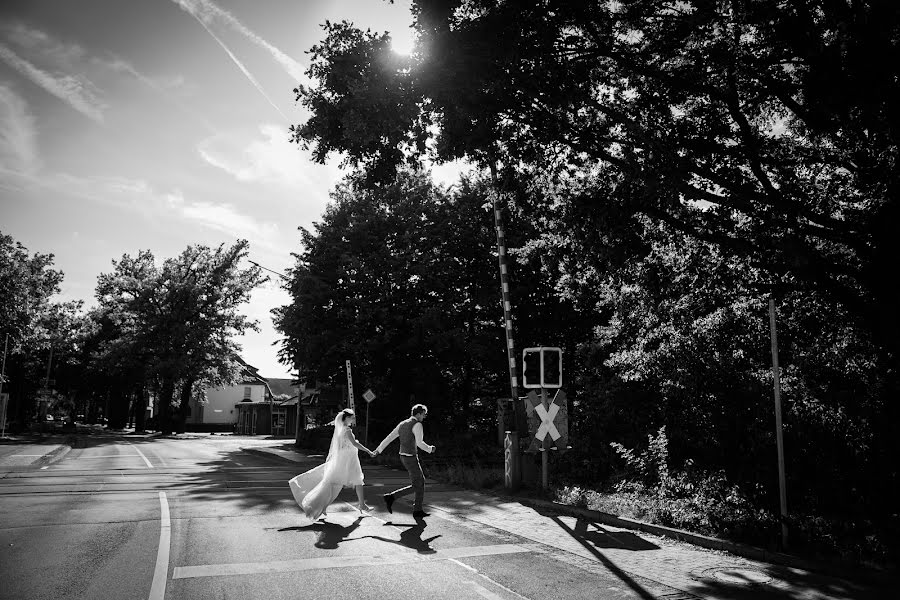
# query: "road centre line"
{"points": [[336, 562], [158, 587], [138, 450]]}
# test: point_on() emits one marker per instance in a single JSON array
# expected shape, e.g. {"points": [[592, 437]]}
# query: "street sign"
{"points": [[368, 395], [548, 422]]}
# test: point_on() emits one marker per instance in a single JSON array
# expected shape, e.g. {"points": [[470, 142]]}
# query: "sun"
{"points": [[403, 44]]}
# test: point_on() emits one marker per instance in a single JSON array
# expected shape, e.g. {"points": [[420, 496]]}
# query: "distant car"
{"points": [[49, 417]]}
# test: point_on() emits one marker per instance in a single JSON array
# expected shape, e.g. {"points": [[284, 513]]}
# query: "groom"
{"points": [[411, 439]]}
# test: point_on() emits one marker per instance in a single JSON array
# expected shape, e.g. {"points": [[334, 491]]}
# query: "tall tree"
{"points": [[778, 120], [180, 318], [36, 326], [402, 280]]}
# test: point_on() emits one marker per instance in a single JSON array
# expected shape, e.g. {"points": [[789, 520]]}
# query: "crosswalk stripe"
{"points": [[339, 562]]}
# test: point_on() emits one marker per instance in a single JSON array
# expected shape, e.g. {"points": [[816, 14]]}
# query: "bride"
{"points": [[315, 489]]}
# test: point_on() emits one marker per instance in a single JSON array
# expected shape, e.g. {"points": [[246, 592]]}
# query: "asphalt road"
{"points": [[181, 519]]}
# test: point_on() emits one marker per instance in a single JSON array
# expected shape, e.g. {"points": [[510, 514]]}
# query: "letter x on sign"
{"points": [[547, 425]]}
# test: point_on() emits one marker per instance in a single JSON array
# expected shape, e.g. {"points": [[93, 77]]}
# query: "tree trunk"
{"points": [[140, 410], [184, 406], [166, 393]]}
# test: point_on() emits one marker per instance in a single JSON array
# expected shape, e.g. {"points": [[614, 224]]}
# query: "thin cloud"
{"points": [[269, 158], [18, 134], [77, 92], [221, 217], [207, 13]]}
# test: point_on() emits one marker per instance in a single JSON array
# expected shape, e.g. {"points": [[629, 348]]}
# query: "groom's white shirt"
{"points": [[417, 430]]}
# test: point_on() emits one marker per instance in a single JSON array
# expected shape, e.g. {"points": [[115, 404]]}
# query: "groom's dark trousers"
{"points": [[416, 477]]}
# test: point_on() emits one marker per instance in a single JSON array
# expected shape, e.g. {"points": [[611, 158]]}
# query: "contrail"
{"points": [[206, 11], [241, 67], [120, 65]]}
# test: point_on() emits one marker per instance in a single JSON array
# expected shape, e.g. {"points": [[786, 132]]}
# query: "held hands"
{"points": [[433, 449], [373, 454]]}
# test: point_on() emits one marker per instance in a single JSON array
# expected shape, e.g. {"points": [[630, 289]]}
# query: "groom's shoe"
{"points": [[420, 514], [389, 502]]}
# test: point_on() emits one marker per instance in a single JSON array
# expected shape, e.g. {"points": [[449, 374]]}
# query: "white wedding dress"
{"points": [[315, 489]]}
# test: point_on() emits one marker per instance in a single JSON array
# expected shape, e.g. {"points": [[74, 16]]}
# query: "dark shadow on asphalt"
{"points": [[603, 538], [252, 481], [803, 584], [581, 525], [411, 537], [330, 534], [707, 585]]}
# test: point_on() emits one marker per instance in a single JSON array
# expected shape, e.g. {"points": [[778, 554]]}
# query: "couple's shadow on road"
{"points": [[411, 536], [331, 535]]}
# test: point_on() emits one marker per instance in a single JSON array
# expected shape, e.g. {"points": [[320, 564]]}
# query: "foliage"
{"points": [[652, 464], [27, 282], [774, 120], [402, 280], [174, 324], [45, 337]]}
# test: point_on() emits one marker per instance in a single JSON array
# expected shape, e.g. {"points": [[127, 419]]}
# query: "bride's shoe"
{"points": [[364, 508]]}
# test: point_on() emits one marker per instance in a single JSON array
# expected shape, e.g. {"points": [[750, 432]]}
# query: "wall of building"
{"points": [[220, 402]]}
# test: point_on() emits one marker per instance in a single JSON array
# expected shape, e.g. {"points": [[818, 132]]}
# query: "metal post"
{"points": [[544, 468], [368, 408], [545, 451], [512, 470], [505, 298], [776, 376]]}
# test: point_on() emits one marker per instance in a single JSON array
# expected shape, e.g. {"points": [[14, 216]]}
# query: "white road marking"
{"points": [[484, 592], [136, 449], [158, 587], [372, 560], [42, 468], [28, 455], [109, 456], [483, 576]]}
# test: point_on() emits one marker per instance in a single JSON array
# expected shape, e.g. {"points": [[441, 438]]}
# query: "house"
{"points": [[244, 407], [284, 406]]}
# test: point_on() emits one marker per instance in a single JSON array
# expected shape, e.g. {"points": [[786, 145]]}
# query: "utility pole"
{"points": [[3, 404], [776, 376]]}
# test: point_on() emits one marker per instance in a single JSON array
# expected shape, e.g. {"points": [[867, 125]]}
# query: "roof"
{"points": [[283, 387]]}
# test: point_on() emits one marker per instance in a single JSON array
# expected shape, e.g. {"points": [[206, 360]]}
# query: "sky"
{"points": [[130, 125]]}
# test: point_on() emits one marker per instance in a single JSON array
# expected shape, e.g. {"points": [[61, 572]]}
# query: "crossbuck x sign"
{"points": [[547, 425], [551, 419]]}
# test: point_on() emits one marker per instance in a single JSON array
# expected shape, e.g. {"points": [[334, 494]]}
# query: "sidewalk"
{"points": [[648, 557]]}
